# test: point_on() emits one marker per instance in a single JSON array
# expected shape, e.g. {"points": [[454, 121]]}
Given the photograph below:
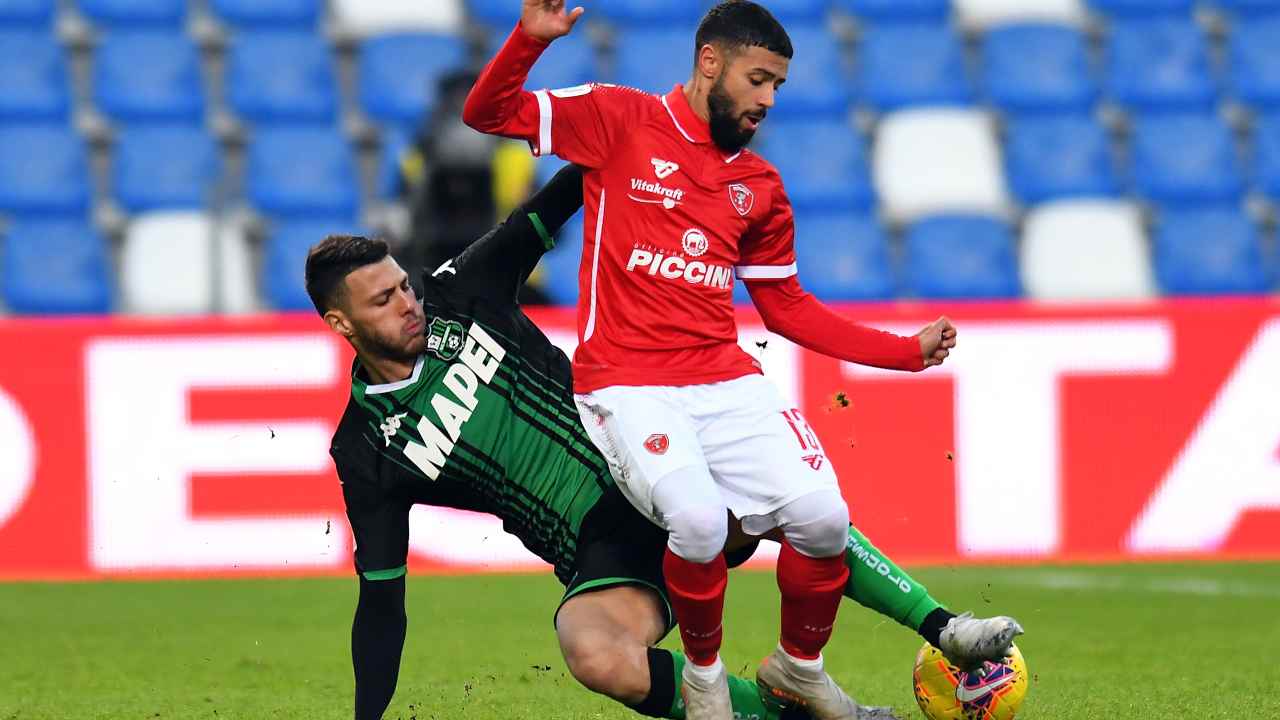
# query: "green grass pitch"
{"points": [[1149, 641]]}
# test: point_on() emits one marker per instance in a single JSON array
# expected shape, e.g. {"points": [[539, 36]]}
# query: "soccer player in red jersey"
{"points": [[676, 207]]}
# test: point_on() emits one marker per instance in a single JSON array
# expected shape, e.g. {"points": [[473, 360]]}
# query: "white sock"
{"points": [[705, 673], [814, 665]]}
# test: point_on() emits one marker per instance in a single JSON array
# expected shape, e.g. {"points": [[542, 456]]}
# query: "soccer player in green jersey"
{"points": [[458, 399]]}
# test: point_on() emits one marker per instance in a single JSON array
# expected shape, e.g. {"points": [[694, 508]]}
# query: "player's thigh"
{"points": [[605, 637], [645, 434]]}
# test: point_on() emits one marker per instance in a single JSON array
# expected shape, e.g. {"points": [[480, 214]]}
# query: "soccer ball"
{"points": [[946, 693]]}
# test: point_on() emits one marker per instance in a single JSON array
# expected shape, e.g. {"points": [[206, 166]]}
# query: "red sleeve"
{"points": [[790, 311], [580, 124], [768, 247]]}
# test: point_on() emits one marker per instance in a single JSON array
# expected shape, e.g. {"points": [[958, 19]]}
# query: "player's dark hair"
{"points": [[737, 24], [332, 259]]}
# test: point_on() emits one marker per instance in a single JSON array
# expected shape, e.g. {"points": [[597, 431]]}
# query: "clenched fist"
{"points": [[936, 341]]}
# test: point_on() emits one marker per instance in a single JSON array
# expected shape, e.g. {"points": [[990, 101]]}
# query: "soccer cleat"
{"points": [[968, 642], [803, 684], [706, 692]]}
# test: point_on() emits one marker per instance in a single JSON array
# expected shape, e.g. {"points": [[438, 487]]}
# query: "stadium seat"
{"points": [[27, 14], [497, 14], [938, 161], [165, 167], [299, 171], [1205, 167], [558, 269], [677, 14], [1248, 8], [905, 65], [1253, 59], [398, 74], [885, 11], [44, 170], [822, 162], [373, 17], [1052, 157], [166, 264], [844, 256], [569, 61], [34, 82], [149, 76], [1159, 65], [987, 14], [395, 143], [959, 257], [1085, 250], [653, 59], [799, 11], [1266, 155], [285, 254], [268, 14], [129, 14], [1144, 8], [1038, 68], [281, 77], [818, 81], [1210, 252], [56, 266]]}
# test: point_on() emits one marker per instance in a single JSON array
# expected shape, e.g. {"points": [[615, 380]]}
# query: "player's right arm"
{"points": [[579, 124]]}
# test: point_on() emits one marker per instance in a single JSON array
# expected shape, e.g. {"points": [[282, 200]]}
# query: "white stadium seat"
{"points": [[931, 161], [370, 17], [238, 293], [1086, 250], [165, 265], [983, 14]]}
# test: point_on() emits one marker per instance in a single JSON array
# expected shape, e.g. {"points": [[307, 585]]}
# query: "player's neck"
{"points": [[696, 91], [385, 370]]}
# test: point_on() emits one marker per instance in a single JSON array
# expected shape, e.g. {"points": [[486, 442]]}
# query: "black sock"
{"points": [[933, 623], [662, 685]]}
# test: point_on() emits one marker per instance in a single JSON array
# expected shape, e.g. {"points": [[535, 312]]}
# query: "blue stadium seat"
{"points": [[962, 256], [299, 171], [559, 268], [844, 256], [34, 82], [399, 74], [880, 11], [1183, 160], [799, 11], [160, 167], [267, 14], [913, 65], [1210, 252], [653, 59], [569, 61], [681, 14], [27, 14], [284, 257], [1035, 68], [1248, 8], [1144, 8], [126, 14], [822, 162], [498, 14], [1253, 51], [44, 170], [149, 76], [395, 143], [282, 77], [1160, 65], [1052, 157], [1266, 155], [818, 80], [56, 267]]}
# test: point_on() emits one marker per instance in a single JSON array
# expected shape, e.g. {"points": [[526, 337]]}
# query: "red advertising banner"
{"points": [[188, 447]]}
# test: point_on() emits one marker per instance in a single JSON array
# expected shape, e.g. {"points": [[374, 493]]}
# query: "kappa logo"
{"points": [[444, 338], [657, 444], [391, 427], [741, 197], [663, 169]]}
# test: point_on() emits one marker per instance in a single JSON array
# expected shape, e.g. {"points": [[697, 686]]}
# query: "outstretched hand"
{"points": [[936, 341], [547, 20]]}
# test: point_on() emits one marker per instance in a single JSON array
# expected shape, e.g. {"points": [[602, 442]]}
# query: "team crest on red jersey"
{"points": [[657, 444], [741, 197]]}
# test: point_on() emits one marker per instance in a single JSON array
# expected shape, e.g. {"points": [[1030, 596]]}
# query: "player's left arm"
{"points": [[768, 267]]}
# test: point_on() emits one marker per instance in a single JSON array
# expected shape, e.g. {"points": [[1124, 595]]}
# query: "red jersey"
{"points": [[671, 220]]}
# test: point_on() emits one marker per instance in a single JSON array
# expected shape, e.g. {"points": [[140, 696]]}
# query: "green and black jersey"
{"points": [[486, 421]]}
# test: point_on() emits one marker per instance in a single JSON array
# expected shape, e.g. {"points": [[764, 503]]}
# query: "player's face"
{"points": [[742, 95], [385, 317]]}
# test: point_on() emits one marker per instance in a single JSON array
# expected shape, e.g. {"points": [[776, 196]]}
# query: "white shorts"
{"points": [[760, 452]]}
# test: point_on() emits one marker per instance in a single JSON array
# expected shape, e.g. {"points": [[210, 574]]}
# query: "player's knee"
{"points": [[817, 524], [698, 533], [605, 668]]}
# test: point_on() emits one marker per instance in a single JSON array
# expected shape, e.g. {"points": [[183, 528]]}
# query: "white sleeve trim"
{"points": [[765, 272], [544, 123]]}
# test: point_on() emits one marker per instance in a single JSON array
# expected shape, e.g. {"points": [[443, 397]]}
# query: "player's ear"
{"points": [[339, 323], [709, 62]]}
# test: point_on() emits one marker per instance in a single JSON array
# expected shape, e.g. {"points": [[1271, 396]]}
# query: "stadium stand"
{"points": [[1205, 167], [165, 167], [1266, 157], [1210, 252], [652, 59], [1085, 250], [902, 65], [569, 61], [34, 81], [844, 256], [136, 14], [149, 76], [1253, 59], [285, 254], [166, 264], [986, 14], [398, 74], [559, 267], [1144, 8], [56, 266], [1160, 65], [961, 257], [678, 14], [27, 14], [1038, 68], [887, 11], [44, 170], [818, 81], [823, 163], [281, 76], [267, 14], [1053, 157], [498, 14], [1248, 8], [364, 18], [799, 11], [297, 171]]}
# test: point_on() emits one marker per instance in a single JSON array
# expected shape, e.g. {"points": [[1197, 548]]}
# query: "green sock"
{"points": [[876, 583], [745, 696]]}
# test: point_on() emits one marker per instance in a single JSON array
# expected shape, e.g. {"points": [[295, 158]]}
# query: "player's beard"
{"points": [[399, 348], [726, 124]]}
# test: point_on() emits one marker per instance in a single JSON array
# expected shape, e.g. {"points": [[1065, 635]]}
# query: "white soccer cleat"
{"points": [[806, 684], [706, 692], [968, 642]]}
